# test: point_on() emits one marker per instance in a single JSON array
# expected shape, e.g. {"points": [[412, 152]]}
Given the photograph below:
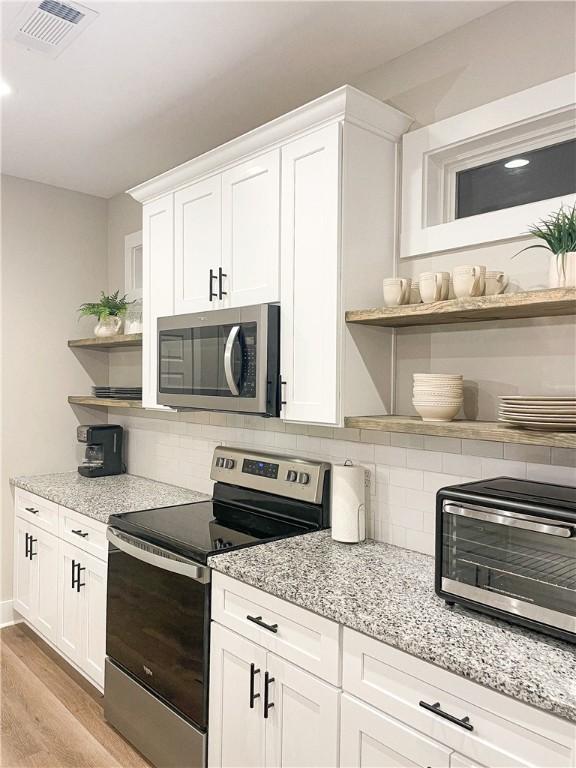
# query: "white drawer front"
{"points": [[84, 533], [504, 732], [37, 510], [310, 641]]}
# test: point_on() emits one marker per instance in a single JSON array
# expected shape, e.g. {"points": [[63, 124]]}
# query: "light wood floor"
{"points": [[51, 717]]}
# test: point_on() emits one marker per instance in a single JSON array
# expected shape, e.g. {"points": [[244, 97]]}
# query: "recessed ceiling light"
{"points": [[518, 162], [4, 88]]}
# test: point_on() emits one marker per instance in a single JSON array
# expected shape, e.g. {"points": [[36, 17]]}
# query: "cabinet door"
{"points": [[197, 246], [94, 617], [236, 736], [23, 570], [70, 604], [309, 276], [45, 614], [461, 761], [371, 739], [302, 725], [157, 286], [251, 231]]}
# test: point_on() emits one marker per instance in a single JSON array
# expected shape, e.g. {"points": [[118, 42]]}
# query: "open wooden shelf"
{"points": [[108, 342], [103, 402], [552, 302], [472, 430]]}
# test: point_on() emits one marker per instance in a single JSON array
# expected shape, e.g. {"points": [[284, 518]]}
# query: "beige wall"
{"points": [[53, 258]]}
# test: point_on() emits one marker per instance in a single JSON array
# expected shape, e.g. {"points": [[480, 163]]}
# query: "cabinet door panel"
{"points": [[157, 286], [45, 616], [236, 737], [197, 245], [302, 726], [70, 601], [23, 570], [251, 231], [94, 619], [309, 276], [371, 739]]}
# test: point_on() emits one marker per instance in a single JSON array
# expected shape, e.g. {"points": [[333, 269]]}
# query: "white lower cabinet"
{"points": [[371, 739], [60, 588], [265, 711], [36, 577], [82, 610]]}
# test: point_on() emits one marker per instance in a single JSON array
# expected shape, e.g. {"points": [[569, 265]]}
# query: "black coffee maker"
{"points": [[103, 455]]}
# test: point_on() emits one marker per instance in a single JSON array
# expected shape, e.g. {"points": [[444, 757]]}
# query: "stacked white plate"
{"points": [[557, 414], [438, 396]]}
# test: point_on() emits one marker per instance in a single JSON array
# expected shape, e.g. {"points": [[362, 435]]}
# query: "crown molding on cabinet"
{"points": [[345, 103]]}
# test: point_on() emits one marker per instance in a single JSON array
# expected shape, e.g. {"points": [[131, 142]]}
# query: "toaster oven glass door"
{"points": [[525, 565]]}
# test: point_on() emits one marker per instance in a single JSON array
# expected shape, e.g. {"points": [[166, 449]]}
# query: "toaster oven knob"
{"points": [[292, 476], [219, 461], [229, 463], [303, 478]]}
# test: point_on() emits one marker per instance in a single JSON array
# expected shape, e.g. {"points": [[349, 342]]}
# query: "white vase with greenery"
{"points": [[110, 311], [558, 232]]}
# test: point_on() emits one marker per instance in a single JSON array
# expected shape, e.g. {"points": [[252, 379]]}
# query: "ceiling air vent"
{"points": [[50, 26]]}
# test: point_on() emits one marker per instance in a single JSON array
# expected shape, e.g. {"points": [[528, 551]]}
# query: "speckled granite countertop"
{"points": [[388, 593], [100, 497]]}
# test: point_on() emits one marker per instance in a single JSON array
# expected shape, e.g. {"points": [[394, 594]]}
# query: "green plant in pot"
{"points": [[558, 235], [109, 310]]}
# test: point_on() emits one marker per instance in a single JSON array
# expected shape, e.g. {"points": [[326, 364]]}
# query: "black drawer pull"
{"points": [[32, 542], [221, 275], [435, 709], [31, 509], [80, 533], [27, 547], [267, 704], [79, 583], [211, 294], [253, 696], [258, 620]]}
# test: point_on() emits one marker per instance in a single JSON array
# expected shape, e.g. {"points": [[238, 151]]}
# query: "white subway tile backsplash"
{"points": [[405, 473]]}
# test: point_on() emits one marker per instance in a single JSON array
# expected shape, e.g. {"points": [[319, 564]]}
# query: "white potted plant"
{"points": [[558, 232], [109, 310]]}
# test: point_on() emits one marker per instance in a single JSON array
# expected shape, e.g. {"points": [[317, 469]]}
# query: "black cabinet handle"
{"points": [[74, 564], [80, 533], [435, 709], [267, 704], [211, 293], [27, 547], [32, 542], [253, 696], [221, 274], [79, 583], [258, 620], [282, 384], [31, 509]]}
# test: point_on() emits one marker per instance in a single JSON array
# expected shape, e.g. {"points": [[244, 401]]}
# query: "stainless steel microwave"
{"points": [[507, 547], [222, 360]]}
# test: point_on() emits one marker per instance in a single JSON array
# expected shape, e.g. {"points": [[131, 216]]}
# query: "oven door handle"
{"points": [[501, 517], [232, 337], [160, 558]]}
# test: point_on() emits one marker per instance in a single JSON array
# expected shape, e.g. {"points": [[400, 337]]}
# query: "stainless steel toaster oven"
{"points": [[507, 547]]}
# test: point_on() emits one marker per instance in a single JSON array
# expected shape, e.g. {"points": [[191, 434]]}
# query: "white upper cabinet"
{"points": [[197, 246], [251, 231], [310, 267], [301, 211], [157, 286]]}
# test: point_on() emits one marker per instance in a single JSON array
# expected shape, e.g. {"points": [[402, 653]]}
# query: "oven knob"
{"points": [[292, 476], [303, 478], [220, 461], [229, 463]]}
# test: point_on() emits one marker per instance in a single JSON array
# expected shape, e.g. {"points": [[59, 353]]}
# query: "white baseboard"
{"points": [[7, 614]]}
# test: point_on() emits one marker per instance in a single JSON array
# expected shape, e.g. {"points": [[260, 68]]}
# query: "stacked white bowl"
{"points": [[438, 396]]}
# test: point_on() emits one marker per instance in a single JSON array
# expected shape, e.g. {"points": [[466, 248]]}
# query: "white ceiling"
{"points": [[151, 84]]}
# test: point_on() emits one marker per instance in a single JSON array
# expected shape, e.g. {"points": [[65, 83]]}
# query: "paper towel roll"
{"points": [[348, 503]]}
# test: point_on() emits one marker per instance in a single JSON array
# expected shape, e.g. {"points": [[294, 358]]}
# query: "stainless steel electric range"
{"points": [[158, 604]]}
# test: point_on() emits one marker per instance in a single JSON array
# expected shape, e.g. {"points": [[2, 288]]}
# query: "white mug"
{"points": [[434, 286], [396, 291], [468, 280], [496, 282], [415, 297]]}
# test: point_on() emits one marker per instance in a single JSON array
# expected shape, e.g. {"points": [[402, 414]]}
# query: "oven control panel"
{"points": [[283, 475]]}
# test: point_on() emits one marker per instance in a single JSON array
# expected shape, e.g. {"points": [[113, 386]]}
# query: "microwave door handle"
{"points": [[513, 521], [232, 337]]}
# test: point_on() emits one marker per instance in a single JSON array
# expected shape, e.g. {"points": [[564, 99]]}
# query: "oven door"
{"points": [[220, 360], [158, 622], [517, 563]]}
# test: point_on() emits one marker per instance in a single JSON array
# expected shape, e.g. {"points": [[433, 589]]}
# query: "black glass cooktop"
{"points": [[204, 528]]}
